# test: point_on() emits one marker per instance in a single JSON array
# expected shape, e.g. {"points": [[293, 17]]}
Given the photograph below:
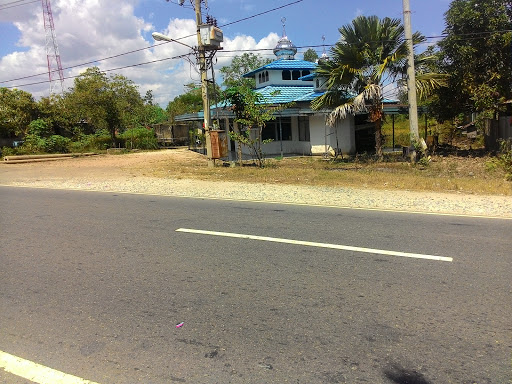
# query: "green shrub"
{"points": [[8, 151], [40, 128], [101, 140], [80, 144], [53, 144], [33, 144], [139, 138], [56, 144], [505, 158]]}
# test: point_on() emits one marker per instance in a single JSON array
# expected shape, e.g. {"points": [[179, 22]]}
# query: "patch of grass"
{"points": [[469, 175]]}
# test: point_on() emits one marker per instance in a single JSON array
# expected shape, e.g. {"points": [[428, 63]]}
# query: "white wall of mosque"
{"points": [[320, 139]]}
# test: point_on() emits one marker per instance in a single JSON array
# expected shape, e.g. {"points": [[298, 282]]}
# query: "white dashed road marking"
{"points": [[319, 245], [36, 372]]}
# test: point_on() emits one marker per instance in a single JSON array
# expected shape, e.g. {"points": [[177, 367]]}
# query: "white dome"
{"points": [[285, 49]]}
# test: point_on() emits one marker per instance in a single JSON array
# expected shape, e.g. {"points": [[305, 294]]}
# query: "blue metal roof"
{"points": [[310, 96], [284, 64], [275, 94], [311, 76]]}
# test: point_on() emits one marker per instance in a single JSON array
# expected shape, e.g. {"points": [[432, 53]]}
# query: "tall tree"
{"points": [[17, 109], [109, 103], [476, 52], [53, 110], [311, 55], [190, 101], [370, 54], [148, 98], [239, 66]]}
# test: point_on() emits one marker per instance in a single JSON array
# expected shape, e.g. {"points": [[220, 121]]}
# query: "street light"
{"points": [[161, 37]]}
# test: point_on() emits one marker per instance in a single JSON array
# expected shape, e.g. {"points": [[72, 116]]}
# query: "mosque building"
{"points": [[298, 129]]}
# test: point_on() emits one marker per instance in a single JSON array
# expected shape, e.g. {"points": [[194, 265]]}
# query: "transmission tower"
{"points": [[52, 51]]}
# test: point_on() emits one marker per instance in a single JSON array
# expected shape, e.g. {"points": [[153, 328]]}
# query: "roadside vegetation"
{"points": [[455, 172]]}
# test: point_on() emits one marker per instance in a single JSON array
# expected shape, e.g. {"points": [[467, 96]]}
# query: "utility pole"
{"points": [[204, 83], [411, 79]]}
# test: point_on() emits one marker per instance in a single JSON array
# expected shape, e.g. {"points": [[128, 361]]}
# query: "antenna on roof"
{"points": [[324, 53]]}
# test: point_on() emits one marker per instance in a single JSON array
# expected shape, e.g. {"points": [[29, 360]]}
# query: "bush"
{"points": [[8, 151], [40, 128], [56, 144], [33, 144], [81, 143], [101, 140], [505, 158], [52, 144], [139, 138]]}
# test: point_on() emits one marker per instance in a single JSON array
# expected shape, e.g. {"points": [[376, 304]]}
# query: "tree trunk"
{"points": [[491, 134], [238, 144], [378, 138], [258, 151]]}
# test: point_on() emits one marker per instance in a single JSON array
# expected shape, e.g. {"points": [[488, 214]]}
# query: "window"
{"points": [[305, 72], [304, 128], [286, 75], [295, 75], [263, 77], [272, 129]]}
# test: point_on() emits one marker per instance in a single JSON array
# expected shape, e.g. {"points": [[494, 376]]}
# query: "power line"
{"points": [[141, 49], [12, 2], [155, 45], [4, 6], [88, 62], [262, 13], [175, 57], [475, 36], [106, 70]]}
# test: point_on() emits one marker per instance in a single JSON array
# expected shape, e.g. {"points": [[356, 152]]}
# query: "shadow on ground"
{"points": [[401, 375]]}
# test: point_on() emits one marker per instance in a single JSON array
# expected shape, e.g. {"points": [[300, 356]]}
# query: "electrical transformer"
{"points": [[211, 36]]}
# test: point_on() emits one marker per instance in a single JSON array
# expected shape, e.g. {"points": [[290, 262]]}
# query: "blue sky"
{"points": [[306, 21], [89, 30]]}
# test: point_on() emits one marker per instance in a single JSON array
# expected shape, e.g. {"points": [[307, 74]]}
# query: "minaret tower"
{"points": [[52, 51]]}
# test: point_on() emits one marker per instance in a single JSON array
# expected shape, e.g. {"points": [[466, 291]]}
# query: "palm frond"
{"points": [[427, 83], [372, 93]]}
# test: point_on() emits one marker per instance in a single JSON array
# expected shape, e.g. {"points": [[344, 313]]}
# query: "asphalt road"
{"points": [[94, 284]]}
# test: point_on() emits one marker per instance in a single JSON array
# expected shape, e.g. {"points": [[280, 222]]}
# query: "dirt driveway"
{"points": [[100, 167]]}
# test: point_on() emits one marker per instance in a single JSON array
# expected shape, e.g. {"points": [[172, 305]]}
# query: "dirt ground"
{"points": [[180, 172], [105, 166]]}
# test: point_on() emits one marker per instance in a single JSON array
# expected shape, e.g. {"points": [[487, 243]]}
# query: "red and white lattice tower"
{"points": [[52, 51]]}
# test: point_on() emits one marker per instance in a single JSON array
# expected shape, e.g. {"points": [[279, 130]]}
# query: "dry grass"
{"points": [[463, 174]]}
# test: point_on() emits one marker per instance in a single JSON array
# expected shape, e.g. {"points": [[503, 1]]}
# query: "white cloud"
{"points": [[89, 30]]}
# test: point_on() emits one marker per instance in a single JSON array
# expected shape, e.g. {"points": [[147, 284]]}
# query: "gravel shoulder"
{"points": [[132, 174]]}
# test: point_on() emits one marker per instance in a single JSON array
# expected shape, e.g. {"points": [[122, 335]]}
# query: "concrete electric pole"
{"points": [[411, 78], [204, 83]]}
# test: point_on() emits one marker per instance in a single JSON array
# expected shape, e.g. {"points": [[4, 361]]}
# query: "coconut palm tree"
{"points": [[371, 54]]}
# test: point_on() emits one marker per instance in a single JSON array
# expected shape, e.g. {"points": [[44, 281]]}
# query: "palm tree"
{"points": [[371, 53]]}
